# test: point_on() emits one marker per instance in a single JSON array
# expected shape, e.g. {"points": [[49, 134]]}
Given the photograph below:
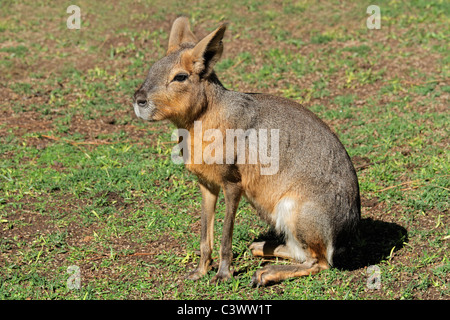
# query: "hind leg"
{"points": [[277, 273], [270, 249], [309, 258], [305, 229]]}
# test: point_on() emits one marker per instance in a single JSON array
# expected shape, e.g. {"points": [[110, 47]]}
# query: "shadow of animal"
{"points": [[376, 241]]}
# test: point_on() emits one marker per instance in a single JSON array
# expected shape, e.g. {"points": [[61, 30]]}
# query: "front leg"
{"points": [[232, 192], [209, 199]]}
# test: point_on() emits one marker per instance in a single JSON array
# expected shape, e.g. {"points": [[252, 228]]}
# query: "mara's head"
{"points": [[175, 87]]}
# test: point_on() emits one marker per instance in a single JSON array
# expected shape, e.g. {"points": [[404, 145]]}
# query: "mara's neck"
{"points": [[208, 104]]}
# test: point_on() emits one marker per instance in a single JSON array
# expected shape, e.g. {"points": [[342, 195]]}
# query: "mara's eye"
{"points": [[180, 77]]}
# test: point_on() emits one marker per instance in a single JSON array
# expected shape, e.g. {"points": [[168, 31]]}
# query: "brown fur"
{"points": [[313, 199]]}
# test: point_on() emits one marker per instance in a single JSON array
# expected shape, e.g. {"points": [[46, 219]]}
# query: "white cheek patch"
{"points": [[136, 110]]}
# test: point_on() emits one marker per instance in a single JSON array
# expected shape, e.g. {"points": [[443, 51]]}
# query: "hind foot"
{"points": [[276, 273]]}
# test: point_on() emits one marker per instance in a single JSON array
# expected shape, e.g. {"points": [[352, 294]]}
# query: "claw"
{"points": [[257, 279], [254, 282], [221, 277], [195, 274]]}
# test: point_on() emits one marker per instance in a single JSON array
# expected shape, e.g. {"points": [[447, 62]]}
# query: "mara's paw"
{"points": [[195, 275], [222, 277], [259, 278]]}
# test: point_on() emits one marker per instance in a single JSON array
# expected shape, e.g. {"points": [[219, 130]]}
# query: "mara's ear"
{"points": [[180, 33], [208, 51]]}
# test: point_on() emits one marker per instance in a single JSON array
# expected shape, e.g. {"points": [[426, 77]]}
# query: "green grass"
{"points": [[85, 183]]}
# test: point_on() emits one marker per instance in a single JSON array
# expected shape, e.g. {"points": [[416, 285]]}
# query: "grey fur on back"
{"points": [[311, 156]]}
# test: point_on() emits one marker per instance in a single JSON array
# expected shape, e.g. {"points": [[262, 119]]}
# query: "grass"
{"points": [[84, 183]]}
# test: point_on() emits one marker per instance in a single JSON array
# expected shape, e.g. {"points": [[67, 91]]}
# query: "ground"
{"points": [[84, 183]]}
